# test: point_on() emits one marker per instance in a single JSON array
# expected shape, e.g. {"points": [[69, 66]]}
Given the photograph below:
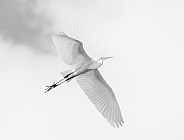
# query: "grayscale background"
{"points": [[146, 74]]}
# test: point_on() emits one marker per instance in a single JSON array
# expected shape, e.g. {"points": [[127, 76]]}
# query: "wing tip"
{"points": [[60, 33], [116, 124]]}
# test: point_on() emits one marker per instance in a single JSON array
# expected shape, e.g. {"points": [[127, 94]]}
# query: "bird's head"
{"points": [[104, 58]]}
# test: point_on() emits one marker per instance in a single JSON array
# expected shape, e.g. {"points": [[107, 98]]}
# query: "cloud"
{"points": [[22, 24], [31, 23]]}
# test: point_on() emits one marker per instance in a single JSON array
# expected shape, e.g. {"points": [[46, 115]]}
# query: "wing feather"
{"points": [[101, 95], [101, 104], [71, 50], [103, 107], [113, 114]]}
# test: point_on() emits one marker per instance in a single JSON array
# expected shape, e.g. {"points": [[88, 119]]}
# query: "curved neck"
{"points": [[99, 62], [96, 64]]}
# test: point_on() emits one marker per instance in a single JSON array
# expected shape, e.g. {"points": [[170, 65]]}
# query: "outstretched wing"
{"points": [[101, 95], [71, 50]]}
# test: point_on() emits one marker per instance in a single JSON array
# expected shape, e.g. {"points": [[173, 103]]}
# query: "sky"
{"points": [[146, 73]]}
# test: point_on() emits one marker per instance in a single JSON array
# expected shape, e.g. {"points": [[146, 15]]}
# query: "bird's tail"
{"points": [[67, 74]]}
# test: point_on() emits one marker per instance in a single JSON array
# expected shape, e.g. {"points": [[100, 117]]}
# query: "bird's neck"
{"points": [[96, 64], [99, 62]]}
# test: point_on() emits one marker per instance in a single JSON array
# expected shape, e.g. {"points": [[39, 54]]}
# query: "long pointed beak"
{"points": [[104, 58]]}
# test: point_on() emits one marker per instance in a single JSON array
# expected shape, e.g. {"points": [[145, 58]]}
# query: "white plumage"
{"points": [[84, 68]]}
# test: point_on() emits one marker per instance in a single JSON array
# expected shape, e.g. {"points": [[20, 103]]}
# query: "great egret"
{"points": [[85, 69]]}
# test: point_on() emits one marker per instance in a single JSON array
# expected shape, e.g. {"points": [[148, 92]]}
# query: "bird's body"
{"points": [[85, 69]]}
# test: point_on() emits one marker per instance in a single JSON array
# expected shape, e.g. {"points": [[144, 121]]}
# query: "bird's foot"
{"points": [[48, 88]]}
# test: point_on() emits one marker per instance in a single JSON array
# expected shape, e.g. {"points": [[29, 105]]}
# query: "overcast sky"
{"points": [[146, 74]]}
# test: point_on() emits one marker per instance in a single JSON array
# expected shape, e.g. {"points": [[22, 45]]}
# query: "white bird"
{"points": [[85, 69]]}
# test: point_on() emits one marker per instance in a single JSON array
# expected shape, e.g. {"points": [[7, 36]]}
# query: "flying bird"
{"points": [[85, 70]]}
